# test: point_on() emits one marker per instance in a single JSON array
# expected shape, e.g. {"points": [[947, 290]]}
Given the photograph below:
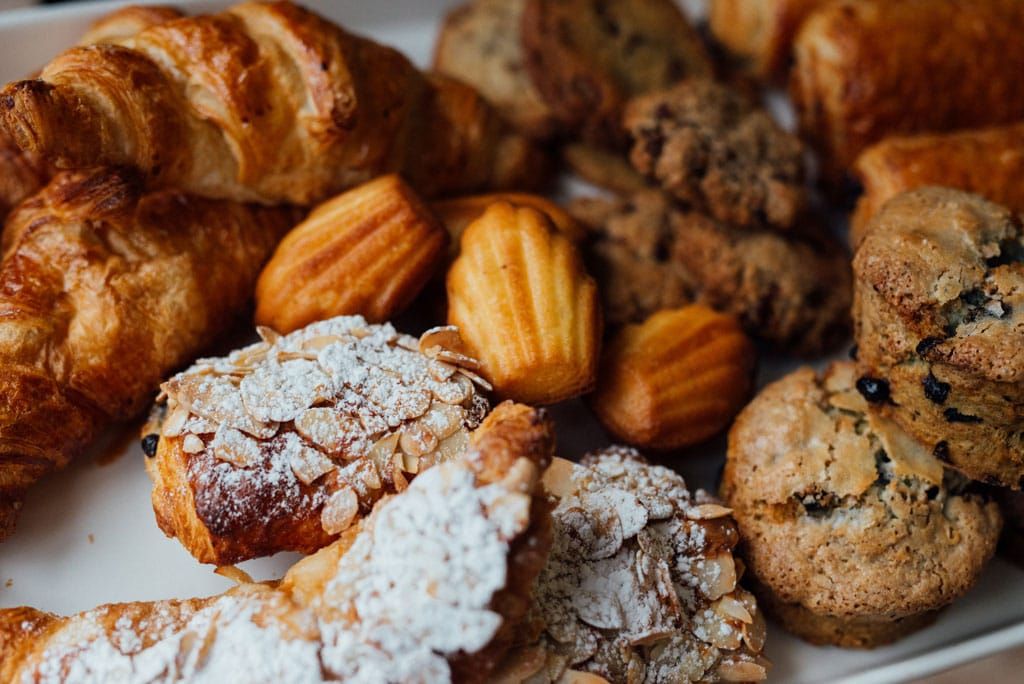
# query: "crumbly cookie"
{"points": [[604, 168], [939, 315], [479, 45], [641, 585], [649, 254], [854, 532], [587, 57], [709, 146]]}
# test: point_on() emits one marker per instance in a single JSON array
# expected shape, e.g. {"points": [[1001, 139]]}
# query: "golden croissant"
{"points": [[103, 291], [431, 587], [263, 102]]}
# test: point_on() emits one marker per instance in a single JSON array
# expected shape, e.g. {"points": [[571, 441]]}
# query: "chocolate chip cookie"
{"points": [[587, 57], [939, 315], [479, 45], [855, 534], [649, 253], [710, 147]]}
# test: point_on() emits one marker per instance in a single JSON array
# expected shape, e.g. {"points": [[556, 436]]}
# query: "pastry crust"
{"points": [[989, 162], [103, 291], [263, 102], [759, 34], [379, 604], [866, 69]]}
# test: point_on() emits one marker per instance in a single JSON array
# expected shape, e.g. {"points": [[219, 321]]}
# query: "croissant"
{"points": [[23, 173], [264, 102], [429, 588], [284, 444], [103, 291]]}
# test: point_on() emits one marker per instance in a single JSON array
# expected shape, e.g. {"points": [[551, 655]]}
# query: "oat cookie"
{"points": [[587, 57], [939, 315], [479, 45], [854, 532], [641, 585], [648, 254], [708, 145]]}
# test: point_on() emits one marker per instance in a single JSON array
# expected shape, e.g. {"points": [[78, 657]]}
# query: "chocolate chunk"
{"points": [[954, 416], [149, 444], [925, 345], [875, 390], [936, 390], [941, 451]]}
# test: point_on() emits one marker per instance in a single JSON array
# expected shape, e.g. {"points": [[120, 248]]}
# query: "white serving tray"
{"points": [[87, 536]]}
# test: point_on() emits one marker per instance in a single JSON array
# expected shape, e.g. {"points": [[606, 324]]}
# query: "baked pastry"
{"points": [[587, 57], [707, 145], [604, 168], [868, 69], [368, 251], [989, 162], [526, 308], [125, 22], [649, 254], [430, 587], [939, 316], [854, 533], [479, 44], [284, 444], [641, 584], [348, 110], [676, 379], [758, 34], [103, 291]]}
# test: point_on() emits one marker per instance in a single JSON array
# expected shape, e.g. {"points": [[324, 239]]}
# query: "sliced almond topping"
{"points": [[309, 465], [236, 447], [708, 512], [741, 671], [331, 430], [443, 419], [234, 573], [339, 511], [728, 607], [192, 444], [175, 421], [417, 440], [558, 478]]}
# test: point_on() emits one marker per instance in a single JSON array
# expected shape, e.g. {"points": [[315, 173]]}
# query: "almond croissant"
{"points": [[263, 102], [103, 291], [429, 588]]}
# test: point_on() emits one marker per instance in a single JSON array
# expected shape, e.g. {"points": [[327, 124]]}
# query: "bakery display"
{"points": [[867, 69], [429, 586], [525, 306], [104, 290], [284, 444], [939, 315], [366, 252], [649, 253], [349, 110], [986, 161], [675, 380], [641, 584], [758, 34], [853, 532], [707, 145]]}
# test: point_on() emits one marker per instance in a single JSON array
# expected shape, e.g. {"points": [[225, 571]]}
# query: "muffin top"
{"points": [[844, 513], [951, 266]]}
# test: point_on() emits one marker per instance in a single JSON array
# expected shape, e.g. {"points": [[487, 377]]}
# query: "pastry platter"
{"points": [[88, 535]]}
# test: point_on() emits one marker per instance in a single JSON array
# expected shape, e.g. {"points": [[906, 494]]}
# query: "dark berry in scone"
{"points": [[939, 316], [854, 532]]}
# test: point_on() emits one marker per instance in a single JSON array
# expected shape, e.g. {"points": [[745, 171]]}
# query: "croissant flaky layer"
{"points": [[429, 588], [263, 102], [103, 291]]}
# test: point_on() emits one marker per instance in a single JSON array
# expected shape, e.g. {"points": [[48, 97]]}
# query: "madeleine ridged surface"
{"points": [[676, 379], [525, 306], [367, 252]]}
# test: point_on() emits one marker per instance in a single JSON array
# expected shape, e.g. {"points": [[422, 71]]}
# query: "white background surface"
{"points": [[88, 536]]}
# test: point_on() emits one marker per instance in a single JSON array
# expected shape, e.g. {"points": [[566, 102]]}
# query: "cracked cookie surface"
{"points": [[939, 315], [854, 532]]}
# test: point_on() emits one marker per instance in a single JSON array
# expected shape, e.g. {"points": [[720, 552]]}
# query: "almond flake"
{"points": [[192, 444], [339, 511], [309, 465]]}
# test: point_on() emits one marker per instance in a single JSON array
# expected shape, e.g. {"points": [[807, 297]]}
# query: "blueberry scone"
{"points": [[854, 533], [939, 315]]}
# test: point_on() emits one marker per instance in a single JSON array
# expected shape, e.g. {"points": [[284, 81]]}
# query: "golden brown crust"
{"points": [[989, 162], [759, 33], [104, 290], [865, 69], [280, 106], [125, 22]]}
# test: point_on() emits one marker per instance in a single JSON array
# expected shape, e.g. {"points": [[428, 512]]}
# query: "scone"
{"points": [[588, 57], [641, 584], [479, 45], [939, 316], [648, 254], [855, 534], [709, 146]]}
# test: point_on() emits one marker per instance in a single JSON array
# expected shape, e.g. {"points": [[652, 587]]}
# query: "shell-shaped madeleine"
{"points": [[367, 252], [674, 380], [525, 306]]}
